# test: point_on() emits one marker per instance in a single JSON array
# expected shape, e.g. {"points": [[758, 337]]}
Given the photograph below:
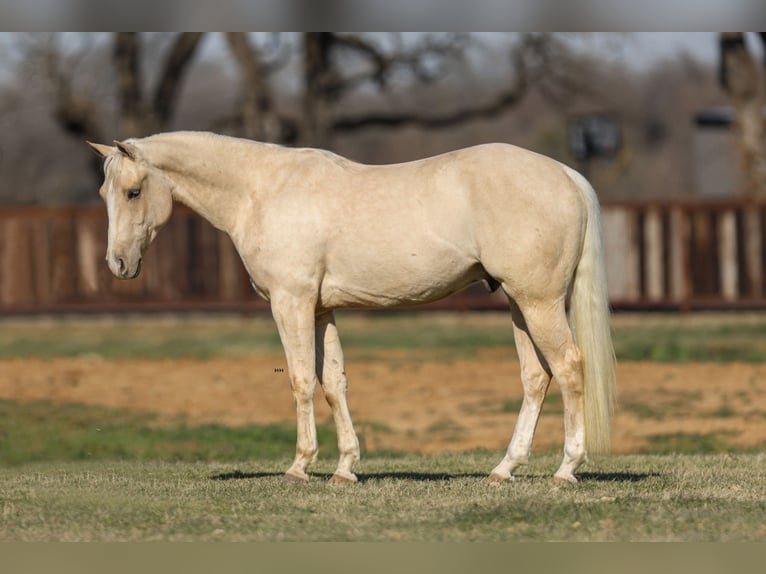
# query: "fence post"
{"points": [[89, 256], [678, 253], [751, 219], [15, 278], [621, 253], [727, 255], [653, 249]]}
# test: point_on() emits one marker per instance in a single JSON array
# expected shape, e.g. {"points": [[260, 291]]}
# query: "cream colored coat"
{"points": [[317, 232]]}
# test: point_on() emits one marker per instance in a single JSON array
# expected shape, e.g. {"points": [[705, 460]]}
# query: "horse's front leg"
{"points": [[295, 321], [332, 376]]}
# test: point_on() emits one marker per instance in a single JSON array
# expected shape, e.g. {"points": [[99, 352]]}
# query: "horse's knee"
{"points": [[303, 388], [335, 388]]}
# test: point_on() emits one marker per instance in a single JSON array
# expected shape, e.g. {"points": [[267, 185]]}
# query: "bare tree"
{"points": [[333, 84], [741, 77], [531, 64], [536, 60], [43, 57], [259, 119], [139, 115], [79, 113], [326, 84]]}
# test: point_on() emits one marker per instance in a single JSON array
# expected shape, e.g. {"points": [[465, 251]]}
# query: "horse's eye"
{"points": [[134, 193]]}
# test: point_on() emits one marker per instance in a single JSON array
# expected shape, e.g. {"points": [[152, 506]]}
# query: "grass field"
{"points": [[79, 472], [661, 337], [437, 498]]}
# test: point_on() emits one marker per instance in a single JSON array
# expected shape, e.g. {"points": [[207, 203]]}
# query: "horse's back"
{"points": [[505, 205]]}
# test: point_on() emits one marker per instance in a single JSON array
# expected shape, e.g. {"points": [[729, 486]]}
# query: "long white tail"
{"points": [[589, 318]]}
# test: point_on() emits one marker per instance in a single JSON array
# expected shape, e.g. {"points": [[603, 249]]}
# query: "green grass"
{"points": [[424, 335], [696, 337], [136, 336], [70, 472], [33, 431], [714, 442], [204, 336], [413, 498]]}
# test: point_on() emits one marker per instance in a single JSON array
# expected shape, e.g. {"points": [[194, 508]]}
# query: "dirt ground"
{"points": [[401, 400]]}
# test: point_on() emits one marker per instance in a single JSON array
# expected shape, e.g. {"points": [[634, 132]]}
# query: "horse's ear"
{"points": [[128, 149], [100, 149]]}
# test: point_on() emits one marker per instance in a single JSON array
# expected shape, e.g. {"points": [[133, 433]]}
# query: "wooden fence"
{"points": [[52, 259], [685, 255], [678, 255]]}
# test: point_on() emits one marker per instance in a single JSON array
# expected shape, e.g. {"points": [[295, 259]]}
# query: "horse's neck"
{"points": [[208, 177], [219, 204]]}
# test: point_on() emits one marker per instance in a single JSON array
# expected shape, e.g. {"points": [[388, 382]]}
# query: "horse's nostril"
{"points": [[122, 265]]}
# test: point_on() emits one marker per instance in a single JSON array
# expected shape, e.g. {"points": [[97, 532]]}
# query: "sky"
{"points": [[637, 50], [654, 46]]}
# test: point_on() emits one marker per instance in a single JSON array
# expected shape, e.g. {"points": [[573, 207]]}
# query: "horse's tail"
{"points": [[589, 318]]}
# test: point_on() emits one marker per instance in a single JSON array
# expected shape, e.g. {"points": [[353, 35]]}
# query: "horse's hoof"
{"points": [[497, 479], [292, 476], [567, 479], [343, 478]]}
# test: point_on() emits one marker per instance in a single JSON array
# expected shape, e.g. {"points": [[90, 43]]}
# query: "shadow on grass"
{"points": [[415, 476], [625, 477], [418, 476], [239, 475], [616, 476], [444, 477]]}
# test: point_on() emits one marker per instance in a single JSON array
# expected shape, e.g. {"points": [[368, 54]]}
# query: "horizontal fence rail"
{"points": [[675, 255]]}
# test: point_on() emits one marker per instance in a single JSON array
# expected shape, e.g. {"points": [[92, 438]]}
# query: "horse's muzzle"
{"points": [[123, 269]]}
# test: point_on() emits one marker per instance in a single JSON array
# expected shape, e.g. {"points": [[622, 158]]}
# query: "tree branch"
{"points": [[499, 104], [381, 63], [741, 79], [176, 64], [384, 64], [126, 60], [75, 113], [259, 119]]}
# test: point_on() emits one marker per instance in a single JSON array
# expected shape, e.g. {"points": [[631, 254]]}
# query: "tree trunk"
{"points": [[137, 117], [317, 97], [259, 121], [741, 78], [173, 72], [132, 115]]}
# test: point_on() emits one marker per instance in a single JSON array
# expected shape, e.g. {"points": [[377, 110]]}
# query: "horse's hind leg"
{"points": [[535, 378], [332, 377], [548, 327]]}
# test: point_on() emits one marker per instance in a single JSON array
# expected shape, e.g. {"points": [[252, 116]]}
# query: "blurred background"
{"points": [[184, 364], [668, 127]]}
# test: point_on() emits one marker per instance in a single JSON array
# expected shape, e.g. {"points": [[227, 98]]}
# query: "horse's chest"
{"points": [[257, 274], [260, 291]]}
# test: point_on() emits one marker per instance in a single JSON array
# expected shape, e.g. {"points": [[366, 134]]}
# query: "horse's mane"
{"points": [[115, 158]]}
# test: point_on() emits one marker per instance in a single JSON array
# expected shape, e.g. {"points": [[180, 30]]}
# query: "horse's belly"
{"points": [[397, 286]]}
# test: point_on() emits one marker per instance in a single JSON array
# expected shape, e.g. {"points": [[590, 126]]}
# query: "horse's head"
{"points": [[138, 203]]}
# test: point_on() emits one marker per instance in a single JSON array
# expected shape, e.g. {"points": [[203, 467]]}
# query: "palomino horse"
{"points": [[317, 232]]}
